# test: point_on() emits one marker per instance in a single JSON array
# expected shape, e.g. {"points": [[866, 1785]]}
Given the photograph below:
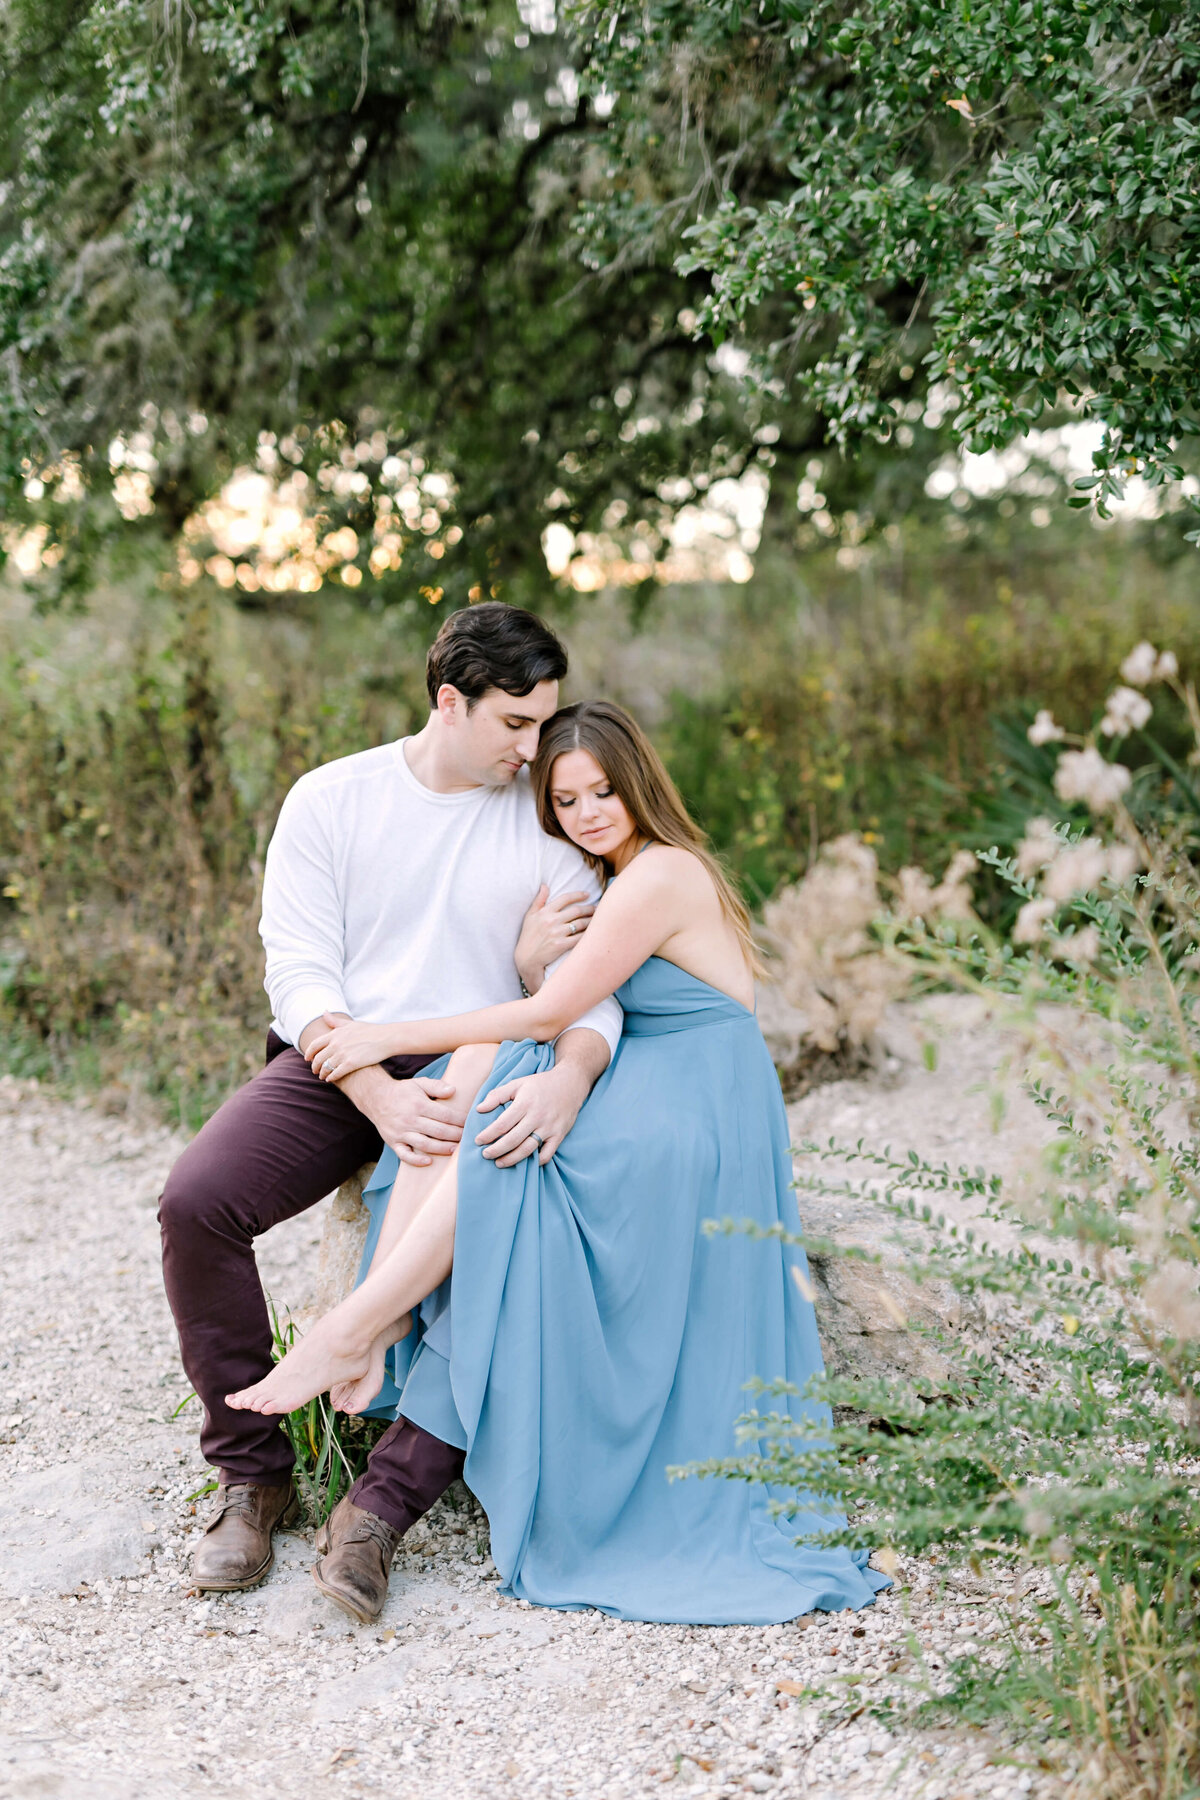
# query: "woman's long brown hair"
{"points": [[637, 776]]}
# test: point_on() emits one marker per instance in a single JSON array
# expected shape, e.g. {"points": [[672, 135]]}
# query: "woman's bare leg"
{"points": [[468, 1069], [346, 1348]]}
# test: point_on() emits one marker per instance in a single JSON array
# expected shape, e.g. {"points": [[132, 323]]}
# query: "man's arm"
{"points": [[303, 933], [417, 1118], [546, 1105], [302, 926]]}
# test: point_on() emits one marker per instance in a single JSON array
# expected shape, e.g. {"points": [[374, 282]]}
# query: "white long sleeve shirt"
{"points": [[385, 900]]}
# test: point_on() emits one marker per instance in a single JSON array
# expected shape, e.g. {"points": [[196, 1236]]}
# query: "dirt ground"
{"points": [[116, 1681]]}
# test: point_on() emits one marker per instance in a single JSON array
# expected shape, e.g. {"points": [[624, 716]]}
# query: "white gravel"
{"points": [[115, 1681]]}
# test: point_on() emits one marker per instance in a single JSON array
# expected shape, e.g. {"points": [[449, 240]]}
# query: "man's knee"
{"points": [[195, 1197]]}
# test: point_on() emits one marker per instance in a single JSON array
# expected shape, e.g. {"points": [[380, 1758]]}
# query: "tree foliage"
{"points": [[218, 221], [999, 196], [438, 232]]}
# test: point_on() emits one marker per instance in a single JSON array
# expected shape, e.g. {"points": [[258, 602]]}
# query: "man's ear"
{"points": [[450, 704]]}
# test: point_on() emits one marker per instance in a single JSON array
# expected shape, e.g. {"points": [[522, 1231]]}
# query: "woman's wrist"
{"points": [[530, 979]]}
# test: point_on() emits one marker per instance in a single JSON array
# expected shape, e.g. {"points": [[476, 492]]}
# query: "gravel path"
{"points": [[114, 1681]]}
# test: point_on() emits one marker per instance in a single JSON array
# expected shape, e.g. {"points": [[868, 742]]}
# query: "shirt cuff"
{"points": [[607, 1019], [302, 1007]]}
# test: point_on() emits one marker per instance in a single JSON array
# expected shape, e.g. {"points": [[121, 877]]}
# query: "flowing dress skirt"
{"points": [[593, 1337]]}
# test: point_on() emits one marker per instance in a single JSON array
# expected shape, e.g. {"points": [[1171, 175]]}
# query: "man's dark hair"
{"points": [[493, 646]]}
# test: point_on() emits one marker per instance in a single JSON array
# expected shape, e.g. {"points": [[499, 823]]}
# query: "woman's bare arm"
{"points": [[636, 915]]}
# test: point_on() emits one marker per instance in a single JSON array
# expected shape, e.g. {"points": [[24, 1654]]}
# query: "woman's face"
{"points": [[586, 807]]}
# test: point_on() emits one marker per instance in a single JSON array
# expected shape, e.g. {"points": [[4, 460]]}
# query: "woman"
{"points": [[597, 1336]]}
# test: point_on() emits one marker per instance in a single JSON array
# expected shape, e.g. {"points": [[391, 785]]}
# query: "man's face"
{"points": [[499, 735]]}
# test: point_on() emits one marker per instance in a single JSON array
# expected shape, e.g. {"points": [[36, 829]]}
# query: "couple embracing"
{"points": [[504, 962]]}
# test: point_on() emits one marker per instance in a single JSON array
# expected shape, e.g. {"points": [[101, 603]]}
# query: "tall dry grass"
{"points": [[149, 738]]}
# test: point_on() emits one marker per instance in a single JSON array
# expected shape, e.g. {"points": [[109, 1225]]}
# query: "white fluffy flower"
{"points": [[1044, 730], [1167, 666], [1122, 861], [1032, 920], [1141, 665], [1082, 947], [1085, 775], [1040, 845], [1079, 869], [1125, 710]]}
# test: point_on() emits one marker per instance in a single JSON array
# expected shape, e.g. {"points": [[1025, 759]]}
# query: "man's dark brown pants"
{"points": [[274, 1149]]}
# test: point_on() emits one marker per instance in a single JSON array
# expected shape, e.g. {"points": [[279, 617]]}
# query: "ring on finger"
{"points": [[539, 1141]]}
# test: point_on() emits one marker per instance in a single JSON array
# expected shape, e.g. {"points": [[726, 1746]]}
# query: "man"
{"points": [[395, 887]]}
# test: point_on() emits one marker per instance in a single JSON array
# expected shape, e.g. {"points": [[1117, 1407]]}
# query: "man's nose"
{"points": [[527, 743]]}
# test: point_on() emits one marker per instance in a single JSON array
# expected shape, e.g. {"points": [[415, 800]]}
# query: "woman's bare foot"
{"points": [[326, 1357], [356, 1396]]}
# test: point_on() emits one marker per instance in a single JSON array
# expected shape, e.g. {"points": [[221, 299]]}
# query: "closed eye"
{"points": [[561, 800]]}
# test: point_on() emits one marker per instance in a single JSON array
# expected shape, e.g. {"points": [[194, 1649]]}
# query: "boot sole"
{"points": [[347, 1605], [288, 1516], [235, 1587]]}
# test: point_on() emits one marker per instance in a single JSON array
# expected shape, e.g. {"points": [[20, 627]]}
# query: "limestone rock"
{"points": [[873, 1319], [342, 1244]]}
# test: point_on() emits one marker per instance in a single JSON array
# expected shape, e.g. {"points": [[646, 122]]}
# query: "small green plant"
{"points": [[330, 1448]]}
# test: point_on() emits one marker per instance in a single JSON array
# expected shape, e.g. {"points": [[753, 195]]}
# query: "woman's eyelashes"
{"points": [[563, 802]]}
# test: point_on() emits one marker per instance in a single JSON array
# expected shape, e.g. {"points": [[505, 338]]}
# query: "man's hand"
{"points": [[419, 1118], [546, 1105]]}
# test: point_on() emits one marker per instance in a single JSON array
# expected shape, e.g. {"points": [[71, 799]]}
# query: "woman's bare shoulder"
{"points": [[665, 866]]}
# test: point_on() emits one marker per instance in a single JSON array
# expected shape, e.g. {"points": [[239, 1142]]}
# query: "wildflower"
{"points": [[1167, 666], [1040, 845], [1081, 947], [1032, 919], [1122, 861], [1141, 665], [952, 894], [1125, 710], [1085, 775], [914, 896], [1079, 869], [918, 898], [1044, 730]]}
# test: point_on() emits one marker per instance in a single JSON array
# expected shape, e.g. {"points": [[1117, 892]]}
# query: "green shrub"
{"points": [[1066, 1444]]}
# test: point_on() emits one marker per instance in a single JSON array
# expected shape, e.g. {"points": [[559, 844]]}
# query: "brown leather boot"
{"points": [[356, 1550], [235, 1551]]}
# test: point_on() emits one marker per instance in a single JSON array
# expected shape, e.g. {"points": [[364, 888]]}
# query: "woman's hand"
{"points": [[550, 928], [539, 1111], [345, 1046]]}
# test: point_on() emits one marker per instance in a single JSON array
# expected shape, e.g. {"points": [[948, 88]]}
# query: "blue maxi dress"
{"points": [[592, 1336]]}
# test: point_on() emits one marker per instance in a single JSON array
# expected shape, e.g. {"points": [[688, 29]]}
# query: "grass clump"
{"points": [[330, 1448]]}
